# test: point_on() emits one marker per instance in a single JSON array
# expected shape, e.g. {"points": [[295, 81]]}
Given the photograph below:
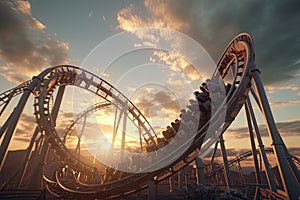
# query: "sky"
{"points": [[38, 34]]}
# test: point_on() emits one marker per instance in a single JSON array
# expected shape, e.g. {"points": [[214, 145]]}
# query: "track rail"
{"points": [[7, 95], [246, 155], [237, 59]]}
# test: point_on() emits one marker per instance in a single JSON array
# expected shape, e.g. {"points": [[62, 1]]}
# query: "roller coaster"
{"points": [[216, 168], [71, 177]]}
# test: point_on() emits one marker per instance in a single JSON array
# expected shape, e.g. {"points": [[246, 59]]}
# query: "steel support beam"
{"points": [[124, 128], [141, 139], [261, 146], [253, 145], [26, 159], [124, 131], [171, 183], [180, 180], [241, 173], [36, 175], [152, 190], [200, 172], [225, 161], [14, 120], [77, 150], [289, 179], [186, 179], [214, 152]]}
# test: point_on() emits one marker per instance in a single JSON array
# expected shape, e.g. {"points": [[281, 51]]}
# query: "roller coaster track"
{"points": [[67, 178], [239, 55], [247, 154], [6, 96]]}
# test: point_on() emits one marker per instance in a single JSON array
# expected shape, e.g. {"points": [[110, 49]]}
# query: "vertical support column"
{"points": [[14, 120], [171, 183], [225, 161], [253, 146], [26, 159], [287, 154], [124, 130], [38, 144], [152, 190], [214, 152], [241, 173], [290, 183], [186, 178], [77, 150], [36, 175], [255, 97], [248, 192], [141, 137], [115, 128], [292, 164], [57, 103], [200, 172], [35, 178], [213, 177], [260, 162], [180, 180], [261, 146]]}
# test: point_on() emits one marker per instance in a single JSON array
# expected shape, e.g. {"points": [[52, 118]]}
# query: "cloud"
{"points": [[67, 115], [157, 104], [22, 139], [160, 17], [177, 63], [25, 48], [280, 104], [25, 127], [285, 129], [213, 25], [231, 152], [272, 89]]}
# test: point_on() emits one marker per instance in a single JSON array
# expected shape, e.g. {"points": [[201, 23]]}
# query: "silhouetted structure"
{"points": [[72, 177]]}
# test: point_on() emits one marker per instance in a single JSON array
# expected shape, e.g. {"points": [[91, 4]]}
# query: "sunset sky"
{"points": [[37, 34]]}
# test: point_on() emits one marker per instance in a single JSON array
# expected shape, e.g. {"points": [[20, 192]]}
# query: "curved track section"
{"points": [[69, 75], [234, 68], [6, 96], [69, 177], [70, 128]]}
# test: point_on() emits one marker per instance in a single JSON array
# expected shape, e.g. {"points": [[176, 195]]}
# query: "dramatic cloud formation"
{"points": [[163, 15], [178, 64], [273, 27], [25, 48], [156, 104]]}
